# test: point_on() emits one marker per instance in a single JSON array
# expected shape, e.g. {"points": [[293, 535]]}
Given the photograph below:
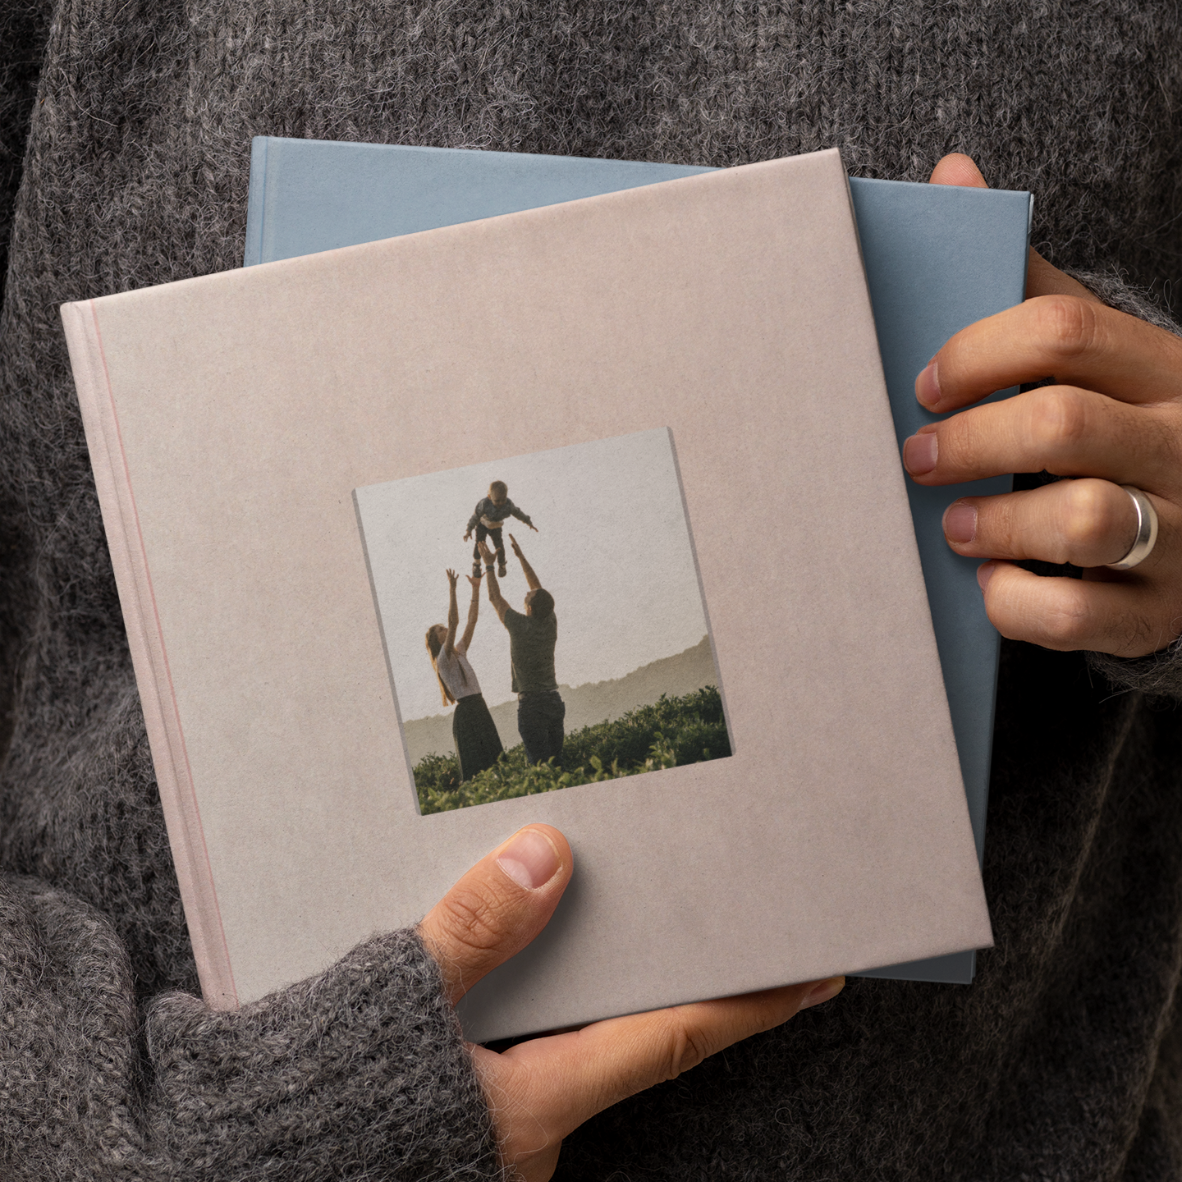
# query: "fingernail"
{"points": [[985, 573], [919, 453], [960, 522], [927, 385], [823, 992], [529, 859]]}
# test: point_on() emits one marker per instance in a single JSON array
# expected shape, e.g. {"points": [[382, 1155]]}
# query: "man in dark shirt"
{"points": [[532, 636]]}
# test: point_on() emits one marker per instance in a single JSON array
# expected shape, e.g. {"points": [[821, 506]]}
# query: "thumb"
{"points": [[498, 907], [1041, 277]]}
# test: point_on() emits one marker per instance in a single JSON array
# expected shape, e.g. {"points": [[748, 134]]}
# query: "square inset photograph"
{"points": [[543, 621]]}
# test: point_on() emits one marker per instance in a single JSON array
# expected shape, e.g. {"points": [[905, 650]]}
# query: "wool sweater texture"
{"points": [[124, 162]]}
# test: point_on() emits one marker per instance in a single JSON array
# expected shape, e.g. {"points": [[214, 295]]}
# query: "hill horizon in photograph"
{"points": [[594, 702]]}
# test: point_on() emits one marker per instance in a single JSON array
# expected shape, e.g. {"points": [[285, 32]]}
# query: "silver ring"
{"points": [[1146, 537]]}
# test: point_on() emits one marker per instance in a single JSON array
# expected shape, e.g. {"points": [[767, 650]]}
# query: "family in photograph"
{"points": [[533, 636]]}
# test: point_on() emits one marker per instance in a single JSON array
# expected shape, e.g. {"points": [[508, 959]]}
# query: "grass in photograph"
{"points": [[671, 732]]}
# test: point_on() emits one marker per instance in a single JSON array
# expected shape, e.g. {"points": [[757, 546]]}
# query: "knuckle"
{"points": [[961, 440], [1068, 325], [954, 442], [1058, 420], [470, 919], [1067, 620], [1000, 523], [687, 1048], [1089, 518]]}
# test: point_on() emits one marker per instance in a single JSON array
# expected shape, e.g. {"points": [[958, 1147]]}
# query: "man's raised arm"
{"points": [[494, 588], [527, 570]]}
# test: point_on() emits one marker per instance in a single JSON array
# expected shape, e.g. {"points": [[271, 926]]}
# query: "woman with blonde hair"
{"points": [[478, 745]]}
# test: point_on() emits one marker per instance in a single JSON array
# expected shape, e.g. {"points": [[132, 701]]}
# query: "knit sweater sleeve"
{"points": [[357, 1073], [1160, 673]]}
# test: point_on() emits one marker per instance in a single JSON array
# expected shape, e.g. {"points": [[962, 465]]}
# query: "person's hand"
{"points": [[474, 580], [485, 552], [1113, 417], [539, 1091], [532, 526], [468, 536], [452, 578], [514, 546]]}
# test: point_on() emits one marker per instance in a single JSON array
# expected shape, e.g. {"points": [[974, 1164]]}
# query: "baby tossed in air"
{"points": [[487, 521]]}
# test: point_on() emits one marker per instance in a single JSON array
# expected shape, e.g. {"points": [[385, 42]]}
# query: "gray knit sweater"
{"points": [[1063, 1060]]}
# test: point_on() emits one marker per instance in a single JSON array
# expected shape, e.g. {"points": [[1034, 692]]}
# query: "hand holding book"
{"points": [[543, 1089], [1111, 420]]}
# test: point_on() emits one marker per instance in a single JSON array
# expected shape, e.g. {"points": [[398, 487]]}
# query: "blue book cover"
{"points": [[937, 258]]}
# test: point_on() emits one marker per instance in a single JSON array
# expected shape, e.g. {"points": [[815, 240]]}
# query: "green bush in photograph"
{"points": [[670, 732]]}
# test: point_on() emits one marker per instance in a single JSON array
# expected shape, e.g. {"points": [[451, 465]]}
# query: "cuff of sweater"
{"points": [[1113, 290], [1159, 673], [359, 1072]]}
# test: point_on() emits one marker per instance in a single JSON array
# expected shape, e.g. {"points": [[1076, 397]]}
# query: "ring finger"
{"points": [[1086, 522]]}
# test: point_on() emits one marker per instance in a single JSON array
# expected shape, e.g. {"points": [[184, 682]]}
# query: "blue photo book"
{"points": [[937, 258]]}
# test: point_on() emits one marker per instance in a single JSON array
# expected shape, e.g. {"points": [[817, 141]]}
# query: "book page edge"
{"points": [[161, 720]]}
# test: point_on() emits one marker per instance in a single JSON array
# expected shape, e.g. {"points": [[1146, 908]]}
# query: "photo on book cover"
{"points": [[543, 621]]}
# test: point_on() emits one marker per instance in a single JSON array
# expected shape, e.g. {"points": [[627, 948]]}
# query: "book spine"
{"points": [[256, 201], [133, 581]]}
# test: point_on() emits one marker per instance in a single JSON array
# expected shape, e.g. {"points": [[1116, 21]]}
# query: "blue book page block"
{"points": [[937, 258]]}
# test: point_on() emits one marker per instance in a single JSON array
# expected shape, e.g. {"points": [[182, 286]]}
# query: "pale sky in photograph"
{"points": [[612, 547]]}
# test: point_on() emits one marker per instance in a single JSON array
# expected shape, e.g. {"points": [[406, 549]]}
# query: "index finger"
{"points": [[570, 1077], [1076, 342]]}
